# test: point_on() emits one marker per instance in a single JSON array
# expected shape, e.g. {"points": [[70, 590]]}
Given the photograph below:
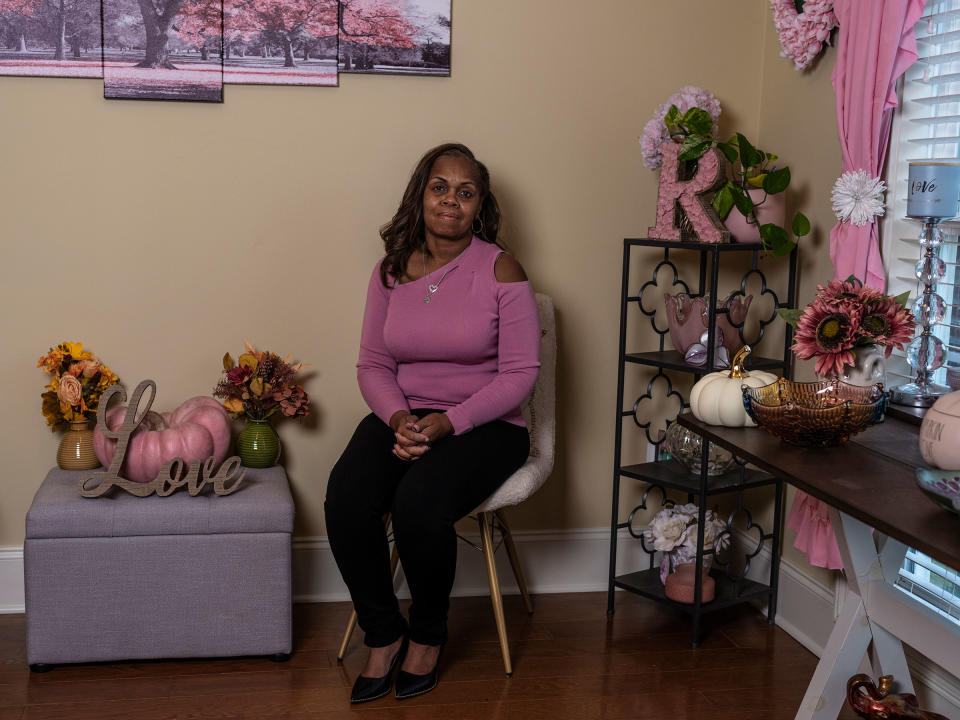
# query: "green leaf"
{"points": [[672, 117], [698, 121], [776, 181], [801, 226], [741, 200], [723, 201], [733, 141], [791, 316], [748, 154], [902, 298], [771, 157], [728, 150], [854, 280], [776, 240], [694, 146]]}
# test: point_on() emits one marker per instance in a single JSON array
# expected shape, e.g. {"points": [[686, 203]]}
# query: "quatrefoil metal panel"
{"points": [[673, 399], [764, 292], [650, 305]]}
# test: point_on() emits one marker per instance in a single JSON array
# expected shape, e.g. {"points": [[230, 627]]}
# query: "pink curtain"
{"points": [[875, 45]]}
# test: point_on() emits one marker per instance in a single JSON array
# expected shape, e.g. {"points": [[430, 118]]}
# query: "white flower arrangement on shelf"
{"points": [[673, 531]]}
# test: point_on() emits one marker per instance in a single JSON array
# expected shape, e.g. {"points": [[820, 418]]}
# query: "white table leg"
{"points": [[841, 658], [887, 658]]}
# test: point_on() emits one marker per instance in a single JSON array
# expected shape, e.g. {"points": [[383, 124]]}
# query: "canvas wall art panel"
{"points": [[280, 42], [163, 49], [50, 39], [408, 37]]}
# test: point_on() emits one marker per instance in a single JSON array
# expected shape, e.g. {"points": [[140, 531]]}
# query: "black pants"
{"points": [[426, 497]]}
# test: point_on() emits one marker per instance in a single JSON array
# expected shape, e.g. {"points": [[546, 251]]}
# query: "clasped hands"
{"points": [[415, 436]]}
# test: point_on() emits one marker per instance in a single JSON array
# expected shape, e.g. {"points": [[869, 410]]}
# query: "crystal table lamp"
{"points": [[934, 190]]}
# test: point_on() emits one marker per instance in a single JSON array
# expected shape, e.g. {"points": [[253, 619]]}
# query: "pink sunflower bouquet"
{"points": [[844, 316]]}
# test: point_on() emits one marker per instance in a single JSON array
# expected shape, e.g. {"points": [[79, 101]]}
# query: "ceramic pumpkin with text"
{"points": [[196, 430], [940, 432], [717, 398]]}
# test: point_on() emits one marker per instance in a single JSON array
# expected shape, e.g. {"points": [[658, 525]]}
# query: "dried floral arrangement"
{"points": [[260, 384], [77, 381], [673, 531], [844, 316]]}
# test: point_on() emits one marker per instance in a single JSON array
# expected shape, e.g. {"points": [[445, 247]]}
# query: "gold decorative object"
{"points": [[815, 414], [171, 475], [870, 701], [76, 447]]}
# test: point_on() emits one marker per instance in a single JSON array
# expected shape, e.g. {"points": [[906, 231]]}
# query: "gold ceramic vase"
{"points": [[76, 448]]}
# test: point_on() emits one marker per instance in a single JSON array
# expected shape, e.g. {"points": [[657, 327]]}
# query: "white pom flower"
{"points": [[858, 198]]}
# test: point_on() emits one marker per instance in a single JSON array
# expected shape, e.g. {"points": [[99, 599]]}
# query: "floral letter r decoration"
{"points": [[686, 196]]}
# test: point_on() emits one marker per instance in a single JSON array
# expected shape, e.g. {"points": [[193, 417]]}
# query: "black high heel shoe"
{"points": [[366, 689], [410, 685]]}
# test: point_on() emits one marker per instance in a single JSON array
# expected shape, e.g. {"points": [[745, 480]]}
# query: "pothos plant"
{"points": [[751, 168]]}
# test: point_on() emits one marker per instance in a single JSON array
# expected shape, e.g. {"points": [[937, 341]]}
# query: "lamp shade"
{"points": [[933, 190]]}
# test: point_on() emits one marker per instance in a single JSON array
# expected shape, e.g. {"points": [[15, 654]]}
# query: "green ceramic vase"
{"points": [[258, 445]]}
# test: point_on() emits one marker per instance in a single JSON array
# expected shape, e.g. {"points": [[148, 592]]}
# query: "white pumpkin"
{"points": [[717, 399]]}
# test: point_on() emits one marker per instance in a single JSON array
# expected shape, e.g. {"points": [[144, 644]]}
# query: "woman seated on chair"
{"points": [[448, 352]]}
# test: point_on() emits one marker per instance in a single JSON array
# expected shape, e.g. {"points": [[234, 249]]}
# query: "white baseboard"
{"points": [[553, 562], [11, 579], [571, 561]]}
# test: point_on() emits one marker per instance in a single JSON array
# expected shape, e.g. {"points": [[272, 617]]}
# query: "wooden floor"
{"points": [[570, 661]]}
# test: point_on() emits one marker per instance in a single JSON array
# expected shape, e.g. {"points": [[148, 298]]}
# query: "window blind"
{"points": [[926, 127]]}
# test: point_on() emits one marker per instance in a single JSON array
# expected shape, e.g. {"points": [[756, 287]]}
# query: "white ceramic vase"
{"points": [[870, 367]]}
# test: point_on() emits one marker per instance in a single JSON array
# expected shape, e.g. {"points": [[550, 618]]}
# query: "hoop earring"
{"points": [[477, 231]]}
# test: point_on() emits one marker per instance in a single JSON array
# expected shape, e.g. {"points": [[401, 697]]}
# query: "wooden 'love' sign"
{"points": [[173, 474]]}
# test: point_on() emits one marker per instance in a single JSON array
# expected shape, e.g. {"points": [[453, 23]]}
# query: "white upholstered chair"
{"points": [[539, 412]]}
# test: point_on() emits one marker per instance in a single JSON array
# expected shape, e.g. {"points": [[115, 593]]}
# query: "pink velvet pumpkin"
{"points": [[194, 431]]}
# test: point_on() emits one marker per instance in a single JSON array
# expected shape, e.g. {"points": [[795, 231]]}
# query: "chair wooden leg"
{"points": [[352, 621], [486, 538], [351, 624], [515, 561]]}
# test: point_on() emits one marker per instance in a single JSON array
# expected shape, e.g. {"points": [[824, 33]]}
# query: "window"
{"points": [[927, 127]]}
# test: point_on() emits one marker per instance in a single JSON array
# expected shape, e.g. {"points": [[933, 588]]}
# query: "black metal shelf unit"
{"points": [[731, 588]]}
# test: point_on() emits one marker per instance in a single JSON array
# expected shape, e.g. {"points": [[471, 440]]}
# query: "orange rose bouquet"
{"points": [[77, 381]]}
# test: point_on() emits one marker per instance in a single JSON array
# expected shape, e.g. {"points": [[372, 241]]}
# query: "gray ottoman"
{"points": [[122, 577]]}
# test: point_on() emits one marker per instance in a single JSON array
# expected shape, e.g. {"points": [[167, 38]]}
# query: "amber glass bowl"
{"points": [[815, 414]]}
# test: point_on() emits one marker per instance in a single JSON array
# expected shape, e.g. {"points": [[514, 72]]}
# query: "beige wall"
{"points": [[161, 234], [797, 121]]}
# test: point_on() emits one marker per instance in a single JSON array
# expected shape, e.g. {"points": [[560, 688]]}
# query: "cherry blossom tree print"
{"points": [[280, 42], [395, 36], [163, 49], [59, 38]]}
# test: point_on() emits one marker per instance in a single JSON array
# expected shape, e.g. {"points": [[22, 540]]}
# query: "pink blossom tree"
{"points": [[19, 11], [366, 24], [285, 22], [199, 24]]}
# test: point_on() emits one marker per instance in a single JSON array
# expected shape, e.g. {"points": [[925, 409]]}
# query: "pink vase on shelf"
{"points": [[687, 319], [680, 584], [771, 210]]}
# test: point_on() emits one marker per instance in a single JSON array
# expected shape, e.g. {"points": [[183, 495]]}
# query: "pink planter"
{"points": [[680, 584], [773, 210]]}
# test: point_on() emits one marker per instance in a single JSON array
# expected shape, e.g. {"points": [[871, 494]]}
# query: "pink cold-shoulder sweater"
{"points": [[472, 351]]}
